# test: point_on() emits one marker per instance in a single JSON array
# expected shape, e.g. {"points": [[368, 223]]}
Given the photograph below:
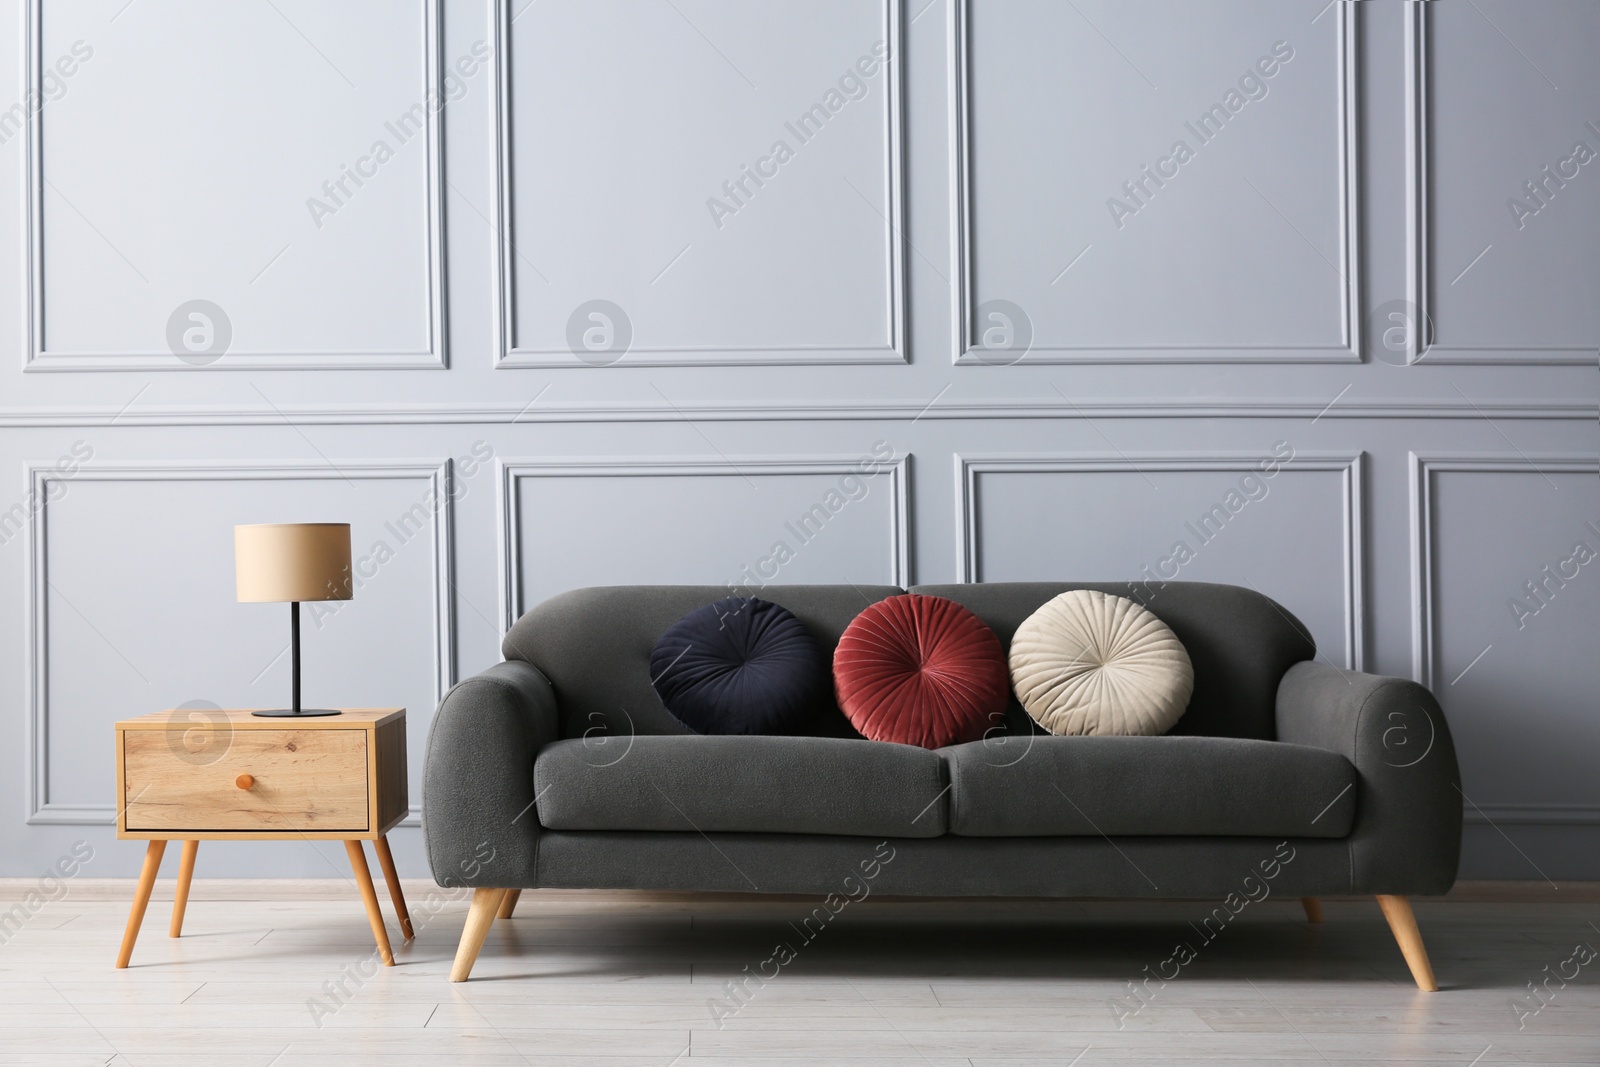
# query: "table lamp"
{"points": [[287, 562]]}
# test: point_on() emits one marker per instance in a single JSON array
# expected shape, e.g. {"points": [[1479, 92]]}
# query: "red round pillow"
{"points": [[920, 670]]}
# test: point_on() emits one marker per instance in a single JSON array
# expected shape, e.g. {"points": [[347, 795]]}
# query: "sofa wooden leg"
{"points": [[1313, 908], [1403, 924], [509, 905], [485, 903]]}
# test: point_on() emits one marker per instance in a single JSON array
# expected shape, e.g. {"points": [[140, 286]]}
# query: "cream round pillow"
{"points": [[1089, 663]]}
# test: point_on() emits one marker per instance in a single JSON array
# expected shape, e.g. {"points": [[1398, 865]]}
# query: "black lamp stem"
{"points": [[294, 645], [294, 711]]}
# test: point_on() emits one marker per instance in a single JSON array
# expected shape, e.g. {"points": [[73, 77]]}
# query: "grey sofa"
{"points": [[1287, 775]]}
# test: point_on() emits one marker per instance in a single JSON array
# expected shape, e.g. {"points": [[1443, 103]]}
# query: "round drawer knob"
{"points": [[244, 781]]}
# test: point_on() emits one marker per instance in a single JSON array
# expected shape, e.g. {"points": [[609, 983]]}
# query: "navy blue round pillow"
{"points": [[741, 666]]}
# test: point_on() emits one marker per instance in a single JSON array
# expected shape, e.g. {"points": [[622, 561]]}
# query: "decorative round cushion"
{"points": [[1089, 663], [740, 666], [920, 670]]}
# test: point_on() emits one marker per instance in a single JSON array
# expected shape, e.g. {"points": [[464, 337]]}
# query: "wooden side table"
{"points": [[230, 776]]}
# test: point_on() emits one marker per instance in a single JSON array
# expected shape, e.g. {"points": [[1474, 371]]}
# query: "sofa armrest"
{"points": [[478, 820], [1407, 833]]}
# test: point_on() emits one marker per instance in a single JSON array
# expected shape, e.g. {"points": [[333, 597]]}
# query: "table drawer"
{"points": [[307, 780]]}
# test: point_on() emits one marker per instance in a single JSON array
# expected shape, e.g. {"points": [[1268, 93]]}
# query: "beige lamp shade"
{"points": [[279, 562]]}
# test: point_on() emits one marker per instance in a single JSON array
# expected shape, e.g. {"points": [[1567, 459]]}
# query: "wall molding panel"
{"points": [[436, 476], [1349, 255], [785, 312], [958, 409], [893, 349], [37, 357], [1423, 466], [1532, 814], [1424, 613], [1349, 466], [1419, 225], [513, 472]]}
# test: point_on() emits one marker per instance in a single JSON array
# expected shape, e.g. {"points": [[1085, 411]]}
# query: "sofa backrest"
{"points": [[1240, 642], [594, 645]]}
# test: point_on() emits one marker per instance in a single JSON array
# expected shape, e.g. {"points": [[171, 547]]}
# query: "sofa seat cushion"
{"points": [[1148, 786], [742, 784]]}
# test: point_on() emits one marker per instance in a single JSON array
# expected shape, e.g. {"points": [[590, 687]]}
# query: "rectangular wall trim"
{"points": [[1423, 615], [942, 409], [1533, 814], [1418, 225], [37, 358], [894, 350], [964, 305], [1422, 467], [1348, 464], [513, 471], [437, 475]]}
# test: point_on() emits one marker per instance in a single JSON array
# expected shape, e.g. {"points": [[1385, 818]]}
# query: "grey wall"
{"points": [[948, 269]]}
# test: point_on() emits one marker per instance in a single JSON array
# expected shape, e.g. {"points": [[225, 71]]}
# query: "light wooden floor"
{"points": [[627, 980]]}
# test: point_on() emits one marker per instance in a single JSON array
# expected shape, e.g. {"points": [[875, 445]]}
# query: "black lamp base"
{"points": [[295, 713]]}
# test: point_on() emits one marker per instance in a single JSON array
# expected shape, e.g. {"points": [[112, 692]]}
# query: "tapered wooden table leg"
{"points": [[485, 903], [509, 904], [141, 899], [1313, 908], [369, 897], [386, 861], [180, 900], [1403, 924]]}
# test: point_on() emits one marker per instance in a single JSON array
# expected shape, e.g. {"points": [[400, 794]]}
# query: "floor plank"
{"points": [[618, 979]]}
